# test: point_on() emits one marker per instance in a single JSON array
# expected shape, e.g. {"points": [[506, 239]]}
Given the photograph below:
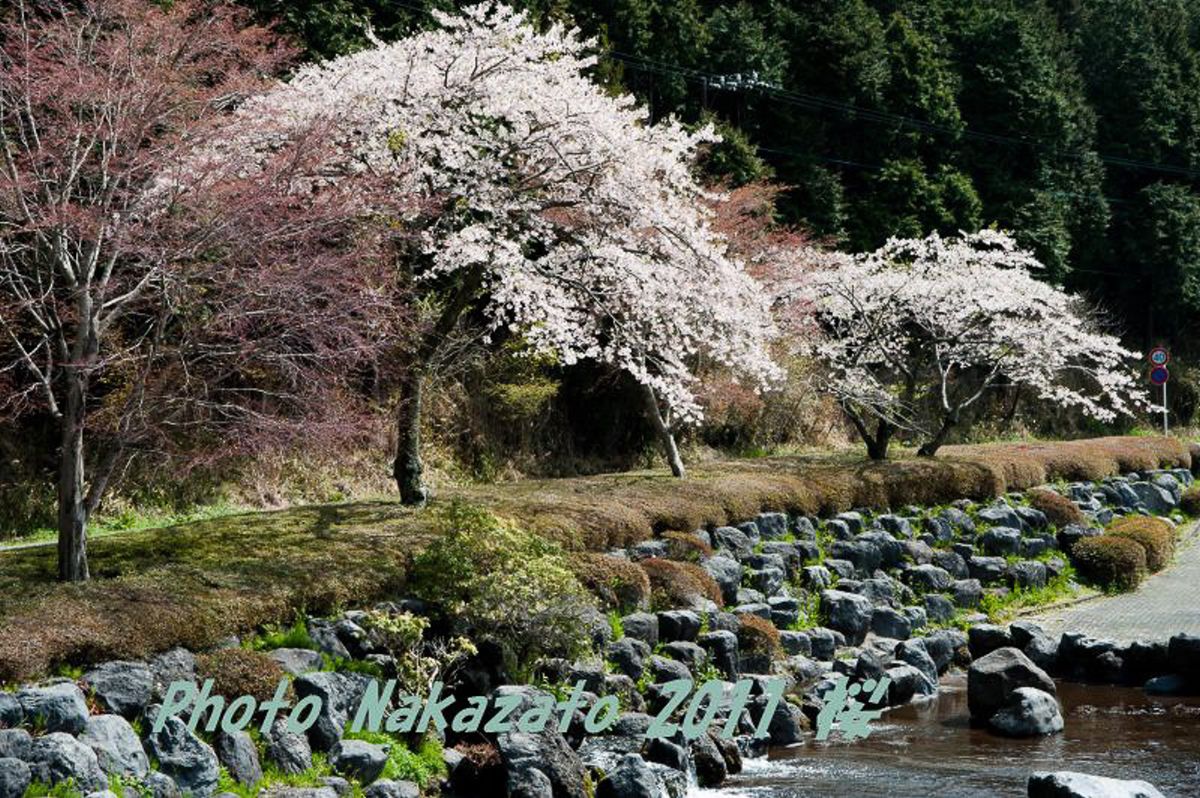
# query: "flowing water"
{"points": [[930, 750]]}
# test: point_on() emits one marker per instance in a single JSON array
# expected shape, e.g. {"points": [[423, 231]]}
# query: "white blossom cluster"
{"points": [[941, 320], [584, 221]]}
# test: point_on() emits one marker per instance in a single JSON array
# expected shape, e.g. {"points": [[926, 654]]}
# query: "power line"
{"points": [[816, 102]]}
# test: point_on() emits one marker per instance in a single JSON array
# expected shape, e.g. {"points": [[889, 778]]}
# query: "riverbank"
{"points": [[797, 598], [194, 584]]}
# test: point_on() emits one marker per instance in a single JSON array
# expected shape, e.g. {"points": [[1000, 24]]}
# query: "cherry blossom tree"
{"points": [[919, 330], [148, 314], [541, 204]]}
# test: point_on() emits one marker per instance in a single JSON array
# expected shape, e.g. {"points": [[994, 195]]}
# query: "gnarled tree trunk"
{"points": [[663, 427]]}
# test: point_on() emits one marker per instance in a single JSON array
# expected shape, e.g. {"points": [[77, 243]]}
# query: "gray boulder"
{"points": [[339, 694], [733, 539], [888, 622], [1028, 574], [958, 520], [124, 688], [722, 648], [14, 777], [1154, 498], [57, 708], [116, 744], [532, 761], [847, 613], [187, 759], [907, 683], [709, 762], [952, 563], [967, 593], [176, 665], [11, 713], [239, 755], [853, 521], [1001, 541], [288, 751], [1069, 784], [160, 785], [385, 788], [641, 626], [298, 661], [631, 778], [927, 578], [58, 756], [1000, 515], [727, 573], [14, 743], [359, 760], [628, 656], [1029, 712], [938, 608], [984, 638], [992, 679], [675, 625], [988, 570], [772, 526], [914, 653], [1183, 656]]}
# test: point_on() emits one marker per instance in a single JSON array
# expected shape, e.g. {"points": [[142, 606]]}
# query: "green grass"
{"points": [[275, 778], [274, 636], [1003, 608], [423, 765]]}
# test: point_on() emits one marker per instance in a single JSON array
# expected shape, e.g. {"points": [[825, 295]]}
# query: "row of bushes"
{"points": [[598, 513]]}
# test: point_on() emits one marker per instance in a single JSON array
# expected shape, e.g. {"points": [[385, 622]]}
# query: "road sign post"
{"points": [[1159, 357]]}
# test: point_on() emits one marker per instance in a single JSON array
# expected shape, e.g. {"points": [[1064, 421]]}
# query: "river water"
{"points": [[929, 750]]}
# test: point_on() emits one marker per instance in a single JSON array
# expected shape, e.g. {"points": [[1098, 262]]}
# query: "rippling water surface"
{"points": [[930, 750]]}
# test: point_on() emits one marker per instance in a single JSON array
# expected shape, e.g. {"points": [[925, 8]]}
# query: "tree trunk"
{"points": [[877, 445], [877, 442], [930, 447], [72, 508], [407, 467], [664, 433]]}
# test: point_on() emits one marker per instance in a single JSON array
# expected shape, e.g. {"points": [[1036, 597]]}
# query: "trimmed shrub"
{"points": [[1189, 502], [489, 577], [1194, 453], [677, 584], [1154, 535], [238, 671], [758, 636], [1110, 562], [687, 547], [1059, 510], [618, 583]]}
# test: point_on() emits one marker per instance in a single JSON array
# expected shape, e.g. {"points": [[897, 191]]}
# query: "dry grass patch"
{"points": [[236, 672], [1059, 510], [758, 636], [676, 584], [616, 582]]}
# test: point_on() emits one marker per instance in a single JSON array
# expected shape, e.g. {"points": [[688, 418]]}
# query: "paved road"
{"points": [[1165, 604]]}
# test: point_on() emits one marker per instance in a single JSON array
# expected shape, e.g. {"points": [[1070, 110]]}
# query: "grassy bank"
{"points": [[194, 583]]}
